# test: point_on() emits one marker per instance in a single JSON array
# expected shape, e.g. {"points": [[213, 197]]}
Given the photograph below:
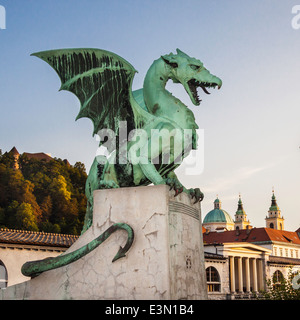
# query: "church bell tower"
{"points": [[274, 220], [241, 221]]}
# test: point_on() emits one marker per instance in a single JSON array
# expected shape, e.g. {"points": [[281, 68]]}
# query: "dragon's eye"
{"points": [[194, 67], [170, 63]]}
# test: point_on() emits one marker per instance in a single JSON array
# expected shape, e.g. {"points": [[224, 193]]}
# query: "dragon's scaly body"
{"points": [[154, 108]]}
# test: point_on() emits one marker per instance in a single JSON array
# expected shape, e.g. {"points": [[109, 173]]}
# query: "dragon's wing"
{"points": [[102, 82]]}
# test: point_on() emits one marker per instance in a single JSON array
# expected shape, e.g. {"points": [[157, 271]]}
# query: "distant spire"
{"points": [[274, 220], [273, 192], [274, 206], [240, 209]]}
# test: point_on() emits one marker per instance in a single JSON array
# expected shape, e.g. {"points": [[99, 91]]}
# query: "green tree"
{"points": [[41, 184], [2, 217], [19, 189], [59, 189], [10, 214], [14, 184], [25, 218], [54, 189], [3, 183], [46, 208], [78, 177], [281, 288], [29, 197], [49, 227], [7, 159]]}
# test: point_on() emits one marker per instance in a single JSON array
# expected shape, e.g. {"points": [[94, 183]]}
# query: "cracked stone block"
{"points": [[165, 262]]}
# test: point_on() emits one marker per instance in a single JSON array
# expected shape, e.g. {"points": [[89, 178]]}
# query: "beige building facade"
{"points": [[239, 262]]}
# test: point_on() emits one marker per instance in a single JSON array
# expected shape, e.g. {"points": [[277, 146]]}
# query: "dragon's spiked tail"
{"points": [[35, 268]]}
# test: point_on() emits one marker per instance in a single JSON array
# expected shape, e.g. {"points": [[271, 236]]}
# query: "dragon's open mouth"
{"points": [[193, 85]]}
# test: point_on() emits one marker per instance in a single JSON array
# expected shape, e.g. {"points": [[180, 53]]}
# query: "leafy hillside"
{"points": [[42, 195]]}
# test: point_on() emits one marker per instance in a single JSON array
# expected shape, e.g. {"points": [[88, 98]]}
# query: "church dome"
{"points": [[218, 214]]}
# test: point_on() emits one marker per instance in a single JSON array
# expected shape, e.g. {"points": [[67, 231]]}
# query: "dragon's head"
{"points": [[191, 73]]}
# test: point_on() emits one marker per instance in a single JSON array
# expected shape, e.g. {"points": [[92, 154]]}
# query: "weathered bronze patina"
{"points": [[34, 268]]}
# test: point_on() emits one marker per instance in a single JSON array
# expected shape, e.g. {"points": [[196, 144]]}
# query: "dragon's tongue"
{"points": [[204, 89]]}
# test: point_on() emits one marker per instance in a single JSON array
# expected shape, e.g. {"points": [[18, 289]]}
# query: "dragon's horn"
{"points": [[179, 52]]}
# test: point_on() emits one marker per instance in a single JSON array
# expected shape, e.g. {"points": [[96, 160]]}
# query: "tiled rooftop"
{"points": [[252, 235], [36, 238]]}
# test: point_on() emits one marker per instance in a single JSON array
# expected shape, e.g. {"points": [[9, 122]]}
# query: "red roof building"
{"points": [[38, 156], [254, 235]]}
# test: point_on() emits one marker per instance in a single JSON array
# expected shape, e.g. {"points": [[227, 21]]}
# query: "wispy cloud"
{"points": [[238, 176], [231, 179]]}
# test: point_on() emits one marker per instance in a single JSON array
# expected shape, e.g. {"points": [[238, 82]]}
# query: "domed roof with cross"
{"points": [[218, 214]]}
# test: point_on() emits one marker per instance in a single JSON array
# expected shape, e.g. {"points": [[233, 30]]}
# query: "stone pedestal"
{"points": [[165, 262]]}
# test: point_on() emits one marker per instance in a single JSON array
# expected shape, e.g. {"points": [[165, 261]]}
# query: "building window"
{"points": [[286, 252], [277, 279], [213, 280], [275, 251], [271, 225], [292, 253], [296, 252], [3, 276], [281, 253]]}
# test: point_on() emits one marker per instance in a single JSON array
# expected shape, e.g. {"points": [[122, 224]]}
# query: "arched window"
{"points": [[277, 279], [213, 280], [3, 275], [271, 225]]}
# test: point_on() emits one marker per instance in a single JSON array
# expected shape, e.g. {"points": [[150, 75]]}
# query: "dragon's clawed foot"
{"points": [[174, 184], [197, 194]]}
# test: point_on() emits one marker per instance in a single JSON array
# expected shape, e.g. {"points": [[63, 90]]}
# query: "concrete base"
{"points": [[165, 262]]}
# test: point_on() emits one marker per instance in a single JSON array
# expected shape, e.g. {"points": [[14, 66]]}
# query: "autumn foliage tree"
{"points": [[42, 195]]}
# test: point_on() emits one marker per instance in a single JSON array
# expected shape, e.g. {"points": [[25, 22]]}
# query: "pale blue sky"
{"points": [[251, 126]]}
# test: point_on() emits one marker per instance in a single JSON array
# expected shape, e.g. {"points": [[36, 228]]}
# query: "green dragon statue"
{"points": [[102, 81]]}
